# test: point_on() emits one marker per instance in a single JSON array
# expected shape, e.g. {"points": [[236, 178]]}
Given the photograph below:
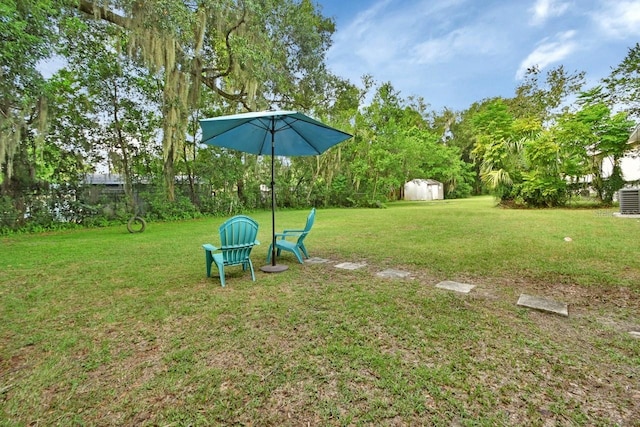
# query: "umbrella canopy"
{"points": [[275, 133], [297, 134]]}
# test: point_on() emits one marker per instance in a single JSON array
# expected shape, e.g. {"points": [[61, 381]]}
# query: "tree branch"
{"points": [[92, 9], [98, 12]]}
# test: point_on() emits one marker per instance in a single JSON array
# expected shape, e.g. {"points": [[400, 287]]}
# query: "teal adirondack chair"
{"points": [[237, 238], [297, 246]]}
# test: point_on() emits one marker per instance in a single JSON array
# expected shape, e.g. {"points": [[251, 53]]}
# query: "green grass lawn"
{"points": [[103, 327]]}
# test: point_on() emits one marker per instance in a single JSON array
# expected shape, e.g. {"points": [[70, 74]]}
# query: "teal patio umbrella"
{"points": [[274, 133]]}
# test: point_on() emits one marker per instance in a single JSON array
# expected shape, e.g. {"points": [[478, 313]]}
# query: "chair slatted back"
{"points": [[237, 237], [310, 219]]}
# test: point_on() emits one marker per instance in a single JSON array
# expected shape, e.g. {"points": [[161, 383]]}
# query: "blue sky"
{"points": [[455, 52]]}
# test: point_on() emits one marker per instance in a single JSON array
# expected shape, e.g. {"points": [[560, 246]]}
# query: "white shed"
{"points": [[423, 189]]}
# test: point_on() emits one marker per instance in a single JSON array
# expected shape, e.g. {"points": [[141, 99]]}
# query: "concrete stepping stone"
{"points": [[351, 265], [316, 260], [393, 274], [449, 285], [543, 304]]}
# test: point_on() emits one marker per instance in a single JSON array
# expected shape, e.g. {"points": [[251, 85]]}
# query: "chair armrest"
{"points": [[209, 247], [290, 231]]}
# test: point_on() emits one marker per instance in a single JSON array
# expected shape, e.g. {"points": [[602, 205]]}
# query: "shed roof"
{"points": [[419, 181]]}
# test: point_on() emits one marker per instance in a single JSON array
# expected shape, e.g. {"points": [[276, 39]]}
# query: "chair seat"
{"points": [[285, 244], [290, 247]]}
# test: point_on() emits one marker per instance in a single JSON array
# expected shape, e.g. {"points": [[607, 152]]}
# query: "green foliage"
{"points": [[393, 144], [528, 152], [340, 194], [612, 185], [222, 204], [158, 208], [608, 134], [27, 34], [10, 216], [541, 99], [53, 209], [498, 148], [541, 190], [462, 188], [623, 84]]}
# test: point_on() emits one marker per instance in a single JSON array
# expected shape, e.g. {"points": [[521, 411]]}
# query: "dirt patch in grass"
{"points": [[572, 361]]}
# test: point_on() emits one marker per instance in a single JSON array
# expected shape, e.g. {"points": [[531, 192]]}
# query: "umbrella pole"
{"points": [[273, 268]]}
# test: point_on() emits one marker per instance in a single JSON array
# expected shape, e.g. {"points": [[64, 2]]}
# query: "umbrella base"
{"points": [[279, 268]]}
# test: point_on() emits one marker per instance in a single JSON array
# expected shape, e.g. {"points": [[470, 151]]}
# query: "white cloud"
{"points": [[464, 41], [619, 18], [549, 52], [366, 20], [369, 38], [435, 50], [546, 9], [385, 35]]}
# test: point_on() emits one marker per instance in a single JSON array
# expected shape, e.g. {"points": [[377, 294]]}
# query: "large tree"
{"points": [[26, 35], [118, 117], [251, 54], [519, 160], [623, 84], [608, 135], [543, 95]]}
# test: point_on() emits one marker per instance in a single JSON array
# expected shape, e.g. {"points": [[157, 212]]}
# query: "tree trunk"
{"points": [[168, 171]]}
